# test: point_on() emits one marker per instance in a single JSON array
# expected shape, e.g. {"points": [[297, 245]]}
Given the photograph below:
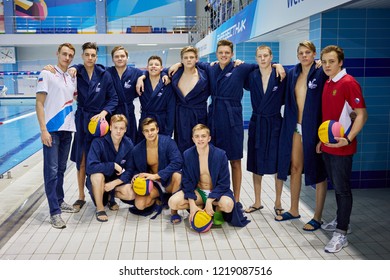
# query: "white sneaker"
{"points": [[67, 208], [57, 222], [338, 242], [331, 226]]}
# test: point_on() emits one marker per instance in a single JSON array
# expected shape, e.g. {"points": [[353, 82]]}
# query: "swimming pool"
{"points": [[19, 131]]}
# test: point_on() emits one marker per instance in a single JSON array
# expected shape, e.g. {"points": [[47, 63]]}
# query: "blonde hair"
{"points": [[189, 49], [307, 44], [119, 48], [264, 47], [118, 118], [200, 126]]}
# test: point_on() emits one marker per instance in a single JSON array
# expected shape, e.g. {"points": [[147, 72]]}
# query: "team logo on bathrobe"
{"points": [[127, 84], [97, 88], [312, 84]]}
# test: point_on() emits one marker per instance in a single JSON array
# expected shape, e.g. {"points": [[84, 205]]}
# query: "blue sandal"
{"points": [[175, 219], [287, 216], [315, 225]]}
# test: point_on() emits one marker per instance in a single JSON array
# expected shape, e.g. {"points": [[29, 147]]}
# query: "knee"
{"points": [[235, 163], [173, 203], [140, 204], [97, 179], [226, 205], [176, 200], [176, 179], [296, 168]]}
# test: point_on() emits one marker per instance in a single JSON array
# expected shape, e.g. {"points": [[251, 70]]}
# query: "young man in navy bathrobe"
{"points": [[206, 182], [155, 158], [108, 166]]}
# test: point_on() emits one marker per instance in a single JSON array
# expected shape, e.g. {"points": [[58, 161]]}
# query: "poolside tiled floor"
{"points": [[129, 237]]}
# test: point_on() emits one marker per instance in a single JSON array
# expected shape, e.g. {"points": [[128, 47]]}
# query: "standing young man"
{"points": [[191, 85], [299, 134], [96, 99], [341, 91], [157, 100], [267, 97], [124, 78], [54, 100]]}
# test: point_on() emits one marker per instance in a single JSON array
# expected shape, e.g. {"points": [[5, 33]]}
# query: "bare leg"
{"points": [[257, 187], [236, 178], [296, 175], [124, 192], [98, 182], [225, 204], [321, 189], [173, 188], [278, 195], [81, 183]]}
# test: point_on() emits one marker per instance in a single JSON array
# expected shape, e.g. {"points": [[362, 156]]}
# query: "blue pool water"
{"points": [[19, 138]]}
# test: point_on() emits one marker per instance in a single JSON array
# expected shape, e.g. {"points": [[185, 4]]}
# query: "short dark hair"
{"points": [[224, 42], [90, 45], [155, 57]]}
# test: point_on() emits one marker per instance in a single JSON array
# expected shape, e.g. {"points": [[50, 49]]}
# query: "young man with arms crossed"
{"points": [[108, 166], [341, 91], [156, 158], [206, 182], [55, 93]]}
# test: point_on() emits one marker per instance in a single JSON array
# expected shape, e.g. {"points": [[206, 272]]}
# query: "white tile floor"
{"points": [[129, 237]]}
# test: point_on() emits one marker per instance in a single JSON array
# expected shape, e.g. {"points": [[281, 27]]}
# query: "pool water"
{"points": [[19, 132]]}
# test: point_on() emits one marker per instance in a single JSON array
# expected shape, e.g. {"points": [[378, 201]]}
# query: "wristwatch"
{"points": [[349, 141]]}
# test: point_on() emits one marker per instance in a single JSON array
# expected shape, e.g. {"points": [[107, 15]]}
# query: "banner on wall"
{"points": [[79, 14], [263, 16]]}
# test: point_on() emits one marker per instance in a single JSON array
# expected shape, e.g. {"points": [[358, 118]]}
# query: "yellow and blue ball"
{"points": [[142, 186], [328, 130], [201, 222], [98, 128]]}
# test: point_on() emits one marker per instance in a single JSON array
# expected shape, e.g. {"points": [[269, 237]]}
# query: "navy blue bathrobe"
{"points": [[102, 157], [93, 96], [265, 123], [158, 104], [220, 176], [191, 109], [225, 111], [169, 159], [125, 87], [312, 115]]}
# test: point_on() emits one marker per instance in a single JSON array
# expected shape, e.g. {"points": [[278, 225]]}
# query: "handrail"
{"points": [[23, 24]]}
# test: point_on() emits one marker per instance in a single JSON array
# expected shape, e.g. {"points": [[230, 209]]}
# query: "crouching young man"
{"points": [[206, 182], [108, 166], [157, 159]]}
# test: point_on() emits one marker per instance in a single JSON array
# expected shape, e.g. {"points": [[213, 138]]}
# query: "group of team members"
{"points": [[192, 171]]}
